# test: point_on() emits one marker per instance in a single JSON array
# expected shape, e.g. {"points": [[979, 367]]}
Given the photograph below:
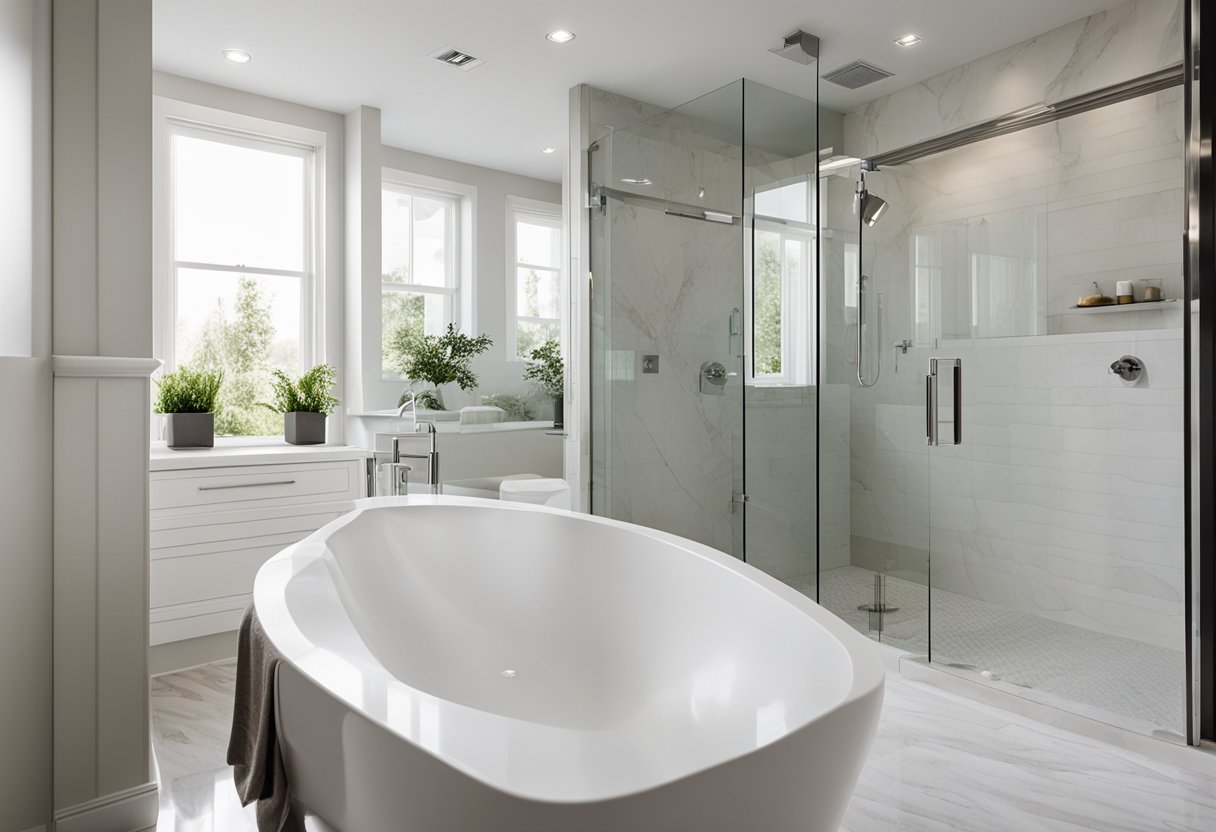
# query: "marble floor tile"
{"points": [[940, 763], [1115, 680]]}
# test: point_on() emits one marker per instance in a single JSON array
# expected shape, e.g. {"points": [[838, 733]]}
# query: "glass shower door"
{"points": [[778, 332], [1056, 526], [874, 461], [667, 265]]}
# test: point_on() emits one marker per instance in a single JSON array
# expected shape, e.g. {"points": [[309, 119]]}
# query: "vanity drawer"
{"points": [[255, 485], [185, 535], [202, 577]]}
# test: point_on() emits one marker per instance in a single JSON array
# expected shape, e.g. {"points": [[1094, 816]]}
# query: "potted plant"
{"points": [[515, 409], [438, 360], [548, 372], [304, 403], [187, 398]]}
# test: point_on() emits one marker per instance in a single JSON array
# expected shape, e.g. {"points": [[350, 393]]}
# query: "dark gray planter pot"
{"points": [[559, 421], [190, 430], [302, 428]]}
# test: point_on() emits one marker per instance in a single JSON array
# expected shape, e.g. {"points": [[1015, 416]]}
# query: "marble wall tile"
{"points": [[672, 284], [1124, 42], [1071, 510]]}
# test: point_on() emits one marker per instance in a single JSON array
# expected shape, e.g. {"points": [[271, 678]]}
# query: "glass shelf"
{"points": [[1141, 306]]}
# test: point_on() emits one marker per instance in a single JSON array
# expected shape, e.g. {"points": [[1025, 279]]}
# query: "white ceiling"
{"points": [[338, 54]]}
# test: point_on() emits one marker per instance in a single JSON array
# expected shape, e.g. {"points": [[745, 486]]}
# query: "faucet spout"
{"points": [[407, 403]]}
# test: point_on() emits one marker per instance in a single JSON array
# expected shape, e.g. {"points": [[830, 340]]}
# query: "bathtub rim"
{"points": [[269, 600]]}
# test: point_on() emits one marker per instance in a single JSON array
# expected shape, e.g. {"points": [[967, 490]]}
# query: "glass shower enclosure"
{"points": [[881, 381], [704, 255]]}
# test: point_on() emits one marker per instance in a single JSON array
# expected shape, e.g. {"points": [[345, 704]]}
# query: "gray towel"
{"points": [[253, 747]]}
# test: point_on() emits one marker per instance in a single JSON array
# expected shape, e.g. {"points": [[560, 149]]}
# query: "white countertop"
{"points": [[453, 426], [228, 453]]}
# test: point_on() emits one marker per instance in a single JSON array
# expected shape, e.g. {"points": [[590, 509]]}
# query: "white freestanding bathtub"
{"points": [[463, 665]]}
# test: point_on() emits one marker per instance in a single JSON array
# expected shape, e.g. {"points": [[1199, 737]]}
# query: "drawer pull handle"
{"points": [[244, 485]]}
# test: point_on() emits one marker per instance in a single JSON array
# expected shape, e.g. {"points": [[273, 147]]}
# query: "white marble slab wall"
{"points": [[790, 463], [835, 518], [672, 285], [1124, 42], [1096, 198], [780, 474]]}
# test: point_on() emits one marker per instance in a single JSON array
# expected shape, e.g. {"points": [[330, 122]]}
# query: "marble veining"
{"points": [[940, 763], [1123, 42]]}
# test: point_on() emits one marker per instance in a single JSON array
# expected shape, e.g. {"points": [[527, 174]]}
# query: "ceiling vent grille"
{"points": [[856, 74], [454, 57]]}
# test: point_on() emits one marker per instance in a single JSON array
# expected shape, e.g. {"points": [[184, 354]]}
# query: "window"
{"points": [[420, 267], [781, 306], [534, 276], [927, 270], [238, 284]]}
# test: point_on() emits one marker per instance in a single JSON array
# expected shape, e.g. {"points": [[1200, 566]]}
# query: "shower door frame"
{"points": [[1200, 372]]}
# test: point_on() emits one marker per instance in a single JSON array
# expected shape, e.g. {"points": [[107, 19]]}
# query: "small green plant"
{"points": [[312, 393], [428, 400], [515, 408], [438, 360], [188, 391], [547, 370]]}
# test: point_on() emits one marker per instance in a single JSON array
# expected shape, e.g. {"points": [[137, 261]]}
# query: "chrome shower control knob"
{"points": [[1128, 368]]}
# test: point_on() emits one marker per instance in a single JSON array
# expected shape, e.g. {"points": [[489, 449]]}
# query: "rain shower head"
{"points": [[799, 47]]}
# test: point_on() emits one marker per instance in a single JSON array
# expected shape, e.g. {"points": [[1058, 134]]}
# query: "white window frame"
{"points": [[174, 117], [450, 291], [459, 305], [538, 213], [799, 304]]}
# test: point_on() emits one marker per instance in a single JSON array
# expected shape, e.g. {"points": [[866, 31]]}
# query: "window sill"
{"points": [[254, 450]]}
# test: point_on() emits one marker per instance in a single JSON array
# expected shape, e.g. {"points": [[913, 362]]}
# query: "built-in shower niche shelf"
{"points": [[1141, 306]]}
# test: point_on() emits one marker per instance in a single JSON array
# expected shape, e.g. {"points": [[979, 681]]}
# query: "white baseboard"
{"points": [[126, 811], [177, 656]]}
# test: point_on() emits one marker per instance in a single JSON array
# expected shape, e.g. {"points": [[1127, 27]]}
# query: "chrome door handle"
{"points": [[931, 401], [958, 401]]}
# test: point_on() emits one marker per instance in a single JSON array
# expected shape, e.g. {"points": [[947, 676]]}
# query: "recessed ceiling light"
{"points": [[909, 40], [237, 56], [561, 36], [548, 150]]}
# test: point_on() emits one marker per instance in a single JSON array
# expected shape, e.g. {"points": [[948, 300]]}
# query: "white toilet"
{"points": [[542, 491]]}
